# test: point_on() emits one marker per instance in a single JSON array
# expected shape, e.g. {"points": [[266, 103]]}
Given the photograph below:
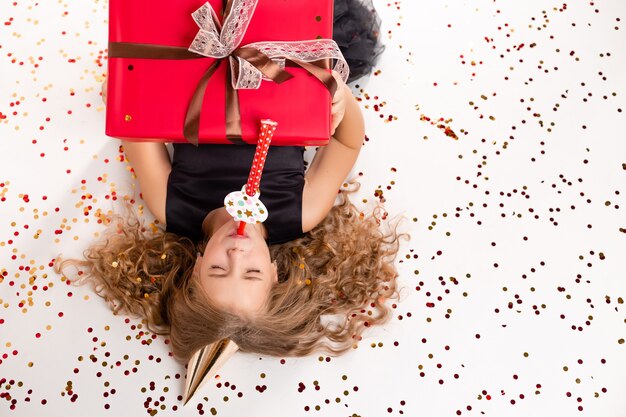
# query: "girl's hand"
{"points": [[103, 90], [338, 108]]}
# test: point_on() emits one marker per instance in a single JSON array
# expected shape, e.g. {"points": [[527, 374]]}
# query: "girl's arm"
{"points": [[151, 163], [332, 164], [152, 166]]}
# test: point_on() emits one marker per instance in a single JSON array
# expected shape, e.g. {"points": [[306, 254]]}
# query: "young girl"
{"points": [[200, 282]]}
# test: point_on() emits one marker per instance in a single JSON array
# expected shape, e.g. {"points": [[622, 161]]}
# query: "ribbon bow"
{"points": [[219, 42], [249, 64]]}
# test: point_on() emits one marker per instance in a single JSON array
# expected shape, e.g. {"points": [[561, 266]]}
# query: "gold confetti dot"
{"points": [[128, 118]]}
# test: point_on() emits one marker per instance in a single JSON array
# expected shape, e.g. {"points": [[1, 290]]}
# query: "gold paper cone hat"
{"points": [[205, 363]]}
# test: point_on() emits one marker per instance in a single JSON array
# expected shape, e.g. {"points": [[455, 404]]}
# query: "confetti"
{"points": [[492, 138]]}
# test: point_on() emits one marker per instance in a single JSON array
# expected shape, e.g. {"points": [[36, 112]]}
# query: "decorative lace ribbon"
{"points": [[249, 64], [220, 42]]}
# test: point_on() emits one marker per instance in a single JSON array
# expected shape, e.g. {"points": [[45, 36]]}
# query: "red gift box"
{"points": [[148, 96]]}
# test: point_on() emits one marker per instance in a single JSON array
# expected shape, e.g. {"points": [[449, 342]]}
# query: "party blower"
{"points": [[246, 207]]}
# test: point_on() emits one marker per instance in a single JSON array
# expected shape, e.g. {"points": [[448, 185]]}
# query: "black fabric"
{"points": [[202, 176], [356, 29]]}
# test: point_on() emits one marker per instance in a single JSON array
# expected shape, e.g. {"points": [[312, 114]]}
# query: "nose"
{"points": [[235, 251], [238, 245]]}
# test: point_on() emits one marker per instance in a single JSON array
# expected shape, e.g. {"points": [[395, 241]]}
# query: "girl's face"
{"points": [[236, 272]]}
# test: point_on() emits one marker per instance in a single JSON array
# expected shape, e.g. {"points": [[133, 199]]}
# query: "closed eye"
{"points": [[248, 277], [216, 267], [223, 269], [253, 278]]}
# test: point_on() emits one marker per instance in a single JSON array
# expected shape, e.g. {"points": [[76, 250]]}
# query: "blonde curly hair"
{"points": [[343, 268]]}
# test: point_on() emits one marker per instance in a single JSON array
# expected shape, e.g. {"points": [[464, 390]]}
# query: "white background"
{"points": [[440, 56]]}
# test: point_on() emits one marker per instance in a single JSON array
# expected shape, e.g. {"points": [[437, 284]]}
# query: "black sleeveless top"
{"points": [[202, 176]]}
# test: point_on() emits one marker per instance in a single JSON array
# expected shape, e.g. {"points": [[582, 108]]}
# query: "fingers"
{"points": [[104, 92], [338, 96], [337, 111], [337, 77], [341, 86], [338, 105]]}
